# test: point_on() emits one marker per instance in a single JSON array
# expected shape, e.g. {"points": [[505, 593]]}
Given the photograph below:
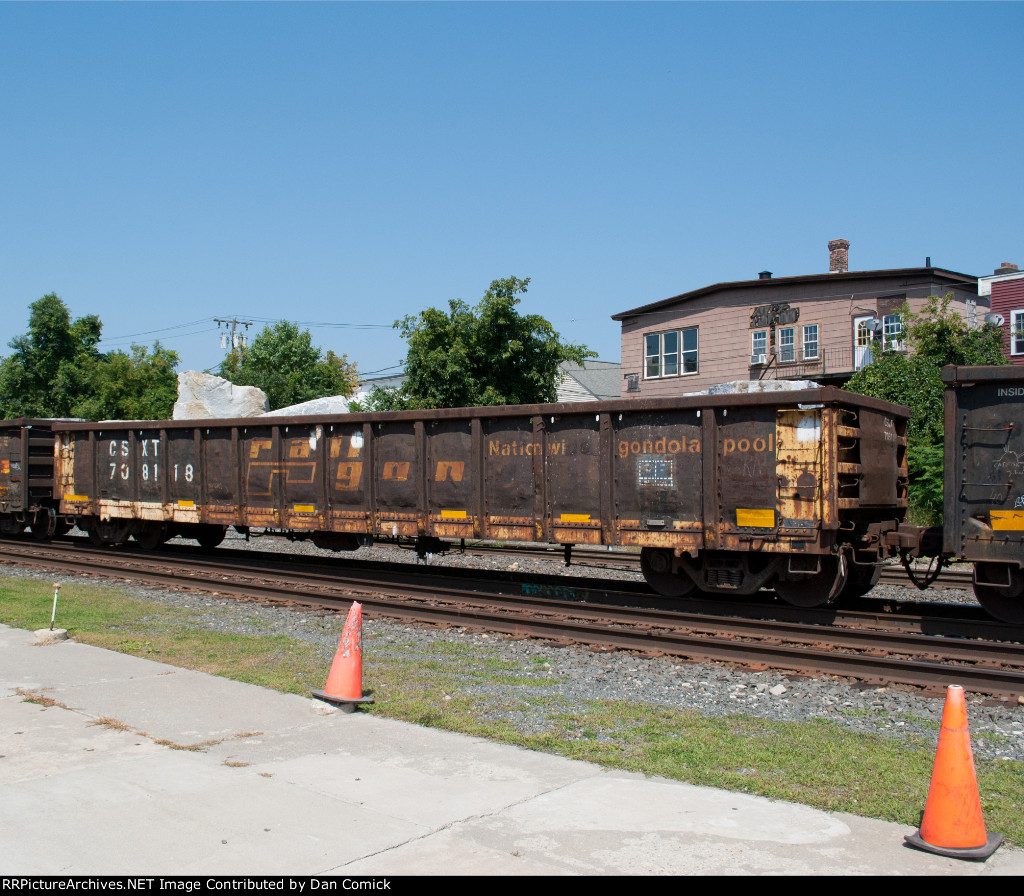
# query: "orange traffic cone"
{"points": [[344, 686], [952, 824]]}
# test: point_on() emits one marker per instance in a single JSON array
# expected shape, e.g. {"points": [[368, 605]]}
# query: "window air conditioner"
{"points": [[757, 359]]}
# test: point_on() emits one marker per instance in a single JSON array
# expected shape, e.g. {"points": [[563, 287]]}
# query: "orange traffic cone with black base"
{"points": [[344, 686], [952, 824]]}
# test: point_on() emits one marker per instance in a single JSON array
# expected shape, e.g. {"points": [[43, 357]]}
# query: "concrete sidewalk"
{"points": [[129, 767]]}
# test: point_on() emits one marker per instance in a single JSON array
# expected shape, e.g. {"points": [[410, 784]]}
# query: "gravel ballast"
{"points": [[576, 675]]}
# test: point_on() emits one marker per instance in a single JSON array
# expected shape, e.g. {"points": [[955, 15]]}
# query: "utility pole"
{"points": [[230, 338]]}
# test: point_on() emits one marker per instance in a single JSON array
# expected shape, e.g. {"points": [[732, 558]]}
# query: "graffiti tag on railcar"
{"points": [[1010, 463]]}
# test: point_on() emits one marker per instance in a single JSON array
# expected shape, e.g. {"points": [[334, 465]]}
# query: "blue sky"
{"points": [[345, 164]]}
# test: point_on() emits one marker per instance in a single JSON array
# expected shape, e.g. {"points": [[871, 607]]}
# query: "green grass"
{"points": [[467, 687]]}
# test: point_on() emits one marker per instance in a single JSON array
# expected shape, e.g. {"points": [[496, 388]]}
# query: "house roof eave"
{"points": [[936, 273]]}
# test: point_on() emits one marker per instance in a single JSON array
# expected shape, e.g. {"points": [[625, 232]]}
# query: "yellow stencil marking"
{"points": [[396, 470], [449, 469]]}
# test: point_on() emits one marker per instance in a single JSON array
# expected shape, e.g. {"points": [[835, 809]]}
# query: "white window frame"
{"points": [[892, 332], [806, 355], [759, 347], [785, 347], [669, 358], [1017, 332]]}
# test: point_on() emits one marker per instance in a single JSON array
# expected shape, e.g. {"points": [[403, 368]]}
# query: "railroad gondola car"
{"points": [[983, 469], [724, 493], [27, 496]]}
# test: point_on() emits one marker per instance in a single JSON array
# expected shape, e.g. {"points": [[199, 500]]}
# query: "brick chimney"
{"points": [[1006, 268], [838, 256]]}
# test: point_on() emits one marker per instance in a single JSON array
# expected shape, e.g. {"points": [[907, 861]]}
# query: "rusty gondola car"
{"points": [[27, 496], [983, 468], [793, 490]]}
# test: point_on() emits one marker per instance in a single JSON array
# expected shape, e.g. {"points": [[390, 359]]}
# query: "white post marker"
{"points": [[53, 616], [51, 635]]}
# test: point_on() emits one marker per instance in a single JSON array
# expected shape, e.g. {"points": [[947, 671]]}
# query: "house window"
{"points": [[787, 344], [810, 348], [672, 353], [759, 347], [1017, 333], [892, 332]]}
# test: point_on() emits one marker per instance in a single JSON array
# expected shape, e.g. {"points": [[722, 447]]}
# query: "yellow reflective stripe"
{"points": [[575, 518], [759, 519], [453, 514]]}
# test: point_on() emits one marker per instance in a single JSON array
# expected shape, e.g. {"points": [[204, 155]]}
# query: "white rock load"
{"points": [[202, 396]]}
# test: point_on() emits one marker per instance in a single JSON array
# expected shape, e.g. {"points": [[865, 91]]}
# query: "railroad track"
{"points": [[951, 577], [852, 648]]}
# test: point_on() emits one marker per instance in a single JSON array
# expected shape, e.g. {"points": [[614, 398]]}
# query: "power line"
{"points": [[161, 330]]}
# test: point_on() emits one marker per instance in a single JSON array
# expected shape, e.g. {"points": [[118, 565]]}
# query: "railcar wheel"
{"points": [[210, 536], [815, 590], [999, 588], [43, 525], [151, 536], [656, 565], [859, 581], [108, 532]]}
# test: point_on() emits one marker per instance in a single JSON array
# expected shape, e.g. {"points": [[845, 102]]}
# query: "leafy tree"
{"points": [[473, 357], [935, 337], [284, 363], [46, 374], [139, 386]]}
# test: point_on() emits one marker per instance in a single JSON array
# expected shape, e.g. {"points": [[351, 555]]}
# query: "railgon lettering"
{"points": [[746, 446], [497, 448], [1010, 392], [664, 445]]}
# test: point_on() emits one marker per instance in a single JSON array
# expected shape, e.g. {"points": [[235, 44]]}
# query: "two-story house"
{"points": [[822, 327]]}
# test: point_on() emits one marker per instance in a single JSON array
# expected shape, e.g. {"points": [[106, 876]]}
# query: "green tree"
{"points": [[935, 337], [474, 357], [284, 363], [139, 386], [46, 374]]}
